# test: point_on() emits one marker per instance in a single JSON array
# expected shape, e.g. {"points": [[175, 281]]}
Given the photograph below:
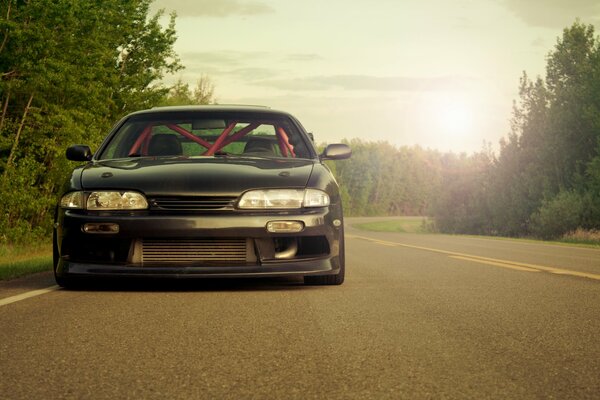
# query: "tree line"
{"points": [[543, 182], [381, 179], [70, 69]]}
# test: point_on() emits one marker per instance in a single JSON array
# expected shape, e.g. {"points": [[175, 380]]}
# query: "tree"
{"points": [[381, 179], [69, 69], [572, 79], [545, 180], [181, 94], [144, 55]]}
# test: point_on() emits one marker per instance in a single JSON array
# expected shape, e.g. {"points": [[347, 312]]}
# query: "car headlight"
{"points": [[116, 201], [315, 198], [72, 200], [105, 200], [283, 198]]}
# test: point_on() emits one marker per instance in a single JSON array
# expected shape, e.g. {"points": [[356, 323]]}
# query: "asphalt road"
{"points": [[420, 316]]}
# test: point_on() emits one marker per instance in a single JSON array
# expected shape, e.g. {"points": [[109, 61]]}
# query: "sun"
{"points": [[448, 121], [452, 116]]}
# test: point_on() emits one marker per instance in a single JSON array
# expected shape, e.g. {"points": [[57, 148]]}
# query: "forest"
{"points": [[544, 181], [69, 70]]}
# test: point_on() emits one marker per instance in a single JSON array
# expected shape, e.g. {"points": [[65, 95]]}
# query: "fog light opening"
{"points": [[289, 251], [285, 226], [103, 228]]}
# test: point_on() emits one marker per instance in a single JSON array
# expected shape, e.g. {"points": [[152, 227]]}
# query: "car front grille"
{"points": [[205, 203], [197, 250]]}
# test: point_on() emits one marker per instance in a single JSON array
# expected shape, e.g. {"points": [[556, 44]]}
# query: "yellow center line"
{"points": [[26, 295], [387, 244], [497, 264], [485, 260]]}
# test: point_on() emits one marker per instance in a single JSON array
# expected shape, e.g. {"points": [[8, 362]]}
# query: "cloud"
{"points": [[222, 59], [303, 57], [238, 58], [365, 82], [247, 65], [554, 14], [212, 8], [539, 42], [252, 73]]}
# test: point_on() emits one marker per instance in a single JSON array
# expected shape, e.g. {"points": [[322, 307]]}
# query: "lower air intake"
{"points": [[197, 251]]}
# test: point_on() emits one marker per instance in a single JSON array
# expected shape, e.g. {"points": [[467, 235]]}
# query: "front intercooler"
{"points": [[210, 250]]}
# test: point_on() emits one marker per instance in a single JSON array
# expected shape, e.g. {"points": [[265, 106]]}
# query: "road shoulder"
{"points": [[24, 284]]}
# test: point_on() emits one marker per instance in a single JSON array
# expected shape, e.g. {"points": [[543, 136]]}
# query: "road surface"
{"points": [[419, 316]]}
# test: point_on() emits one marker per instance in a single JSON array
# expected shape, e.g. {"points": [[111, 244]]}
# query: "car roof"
{"points": [[233, 108]]}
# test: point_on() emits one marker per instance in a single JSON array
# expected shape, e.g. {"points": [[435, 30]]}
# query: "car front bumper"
{"points": [[283, 269], [82, 254]]}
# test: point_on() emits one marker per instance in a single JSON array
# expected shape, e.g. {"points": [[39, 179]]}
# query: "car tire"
{"points": [[331, 279], [61, 281]]}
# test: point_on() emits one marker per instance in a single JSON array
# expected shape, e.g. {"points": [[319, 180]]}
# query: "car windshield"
{"points": [[201, 134]]}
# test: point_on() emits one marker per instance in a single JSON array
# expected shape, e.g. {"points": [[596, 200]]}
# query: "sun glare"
{"points": [[449, 120], [453, 116]]}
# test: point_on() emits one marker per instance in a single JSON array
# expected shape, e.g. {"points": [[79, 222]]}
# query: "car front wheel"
{"points": [[61, 281], [331, 279]]}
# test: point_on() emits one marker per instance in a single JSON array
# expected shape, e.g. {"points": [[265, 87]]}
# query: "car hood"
{"points": [[177, 176]]}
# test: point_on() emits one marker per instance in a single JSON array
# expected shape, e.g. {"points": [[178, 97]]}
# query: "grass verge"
{"points": [[17, 261], [579, 238], [582, 236], [401, 224]]}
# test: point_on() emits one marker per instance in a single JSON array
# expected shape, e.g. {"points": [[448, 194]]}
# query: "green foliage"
{"points": [[461, 202], [402, 224], [557, 216], [14, 269], [381, 179], [546, 178], [69, 69], [181, 94], [573, 78], [28, 258], [591, 215], [582, 237]]}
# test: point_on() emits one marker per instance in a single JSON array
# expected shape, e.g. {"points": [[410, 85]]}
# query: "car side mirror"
{"points": [[336, 151], [79, 152]]}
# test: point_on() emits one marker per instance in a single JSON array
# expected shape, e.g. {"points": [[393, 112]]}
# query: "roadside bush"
{"points": [[557, 216], [582, 236]]}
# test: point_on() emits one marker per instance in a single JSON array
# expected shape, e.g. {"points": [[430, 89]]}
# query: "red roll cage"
{"points": [[226, 137]]}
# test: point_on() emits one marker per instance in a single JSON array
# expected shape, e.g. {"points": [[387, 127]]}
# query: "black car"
{"points": [[202, 191]]}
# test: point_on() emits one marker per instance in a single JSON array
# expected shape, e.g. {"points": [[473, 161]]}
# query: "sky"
{"points": [[441, 74]]}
